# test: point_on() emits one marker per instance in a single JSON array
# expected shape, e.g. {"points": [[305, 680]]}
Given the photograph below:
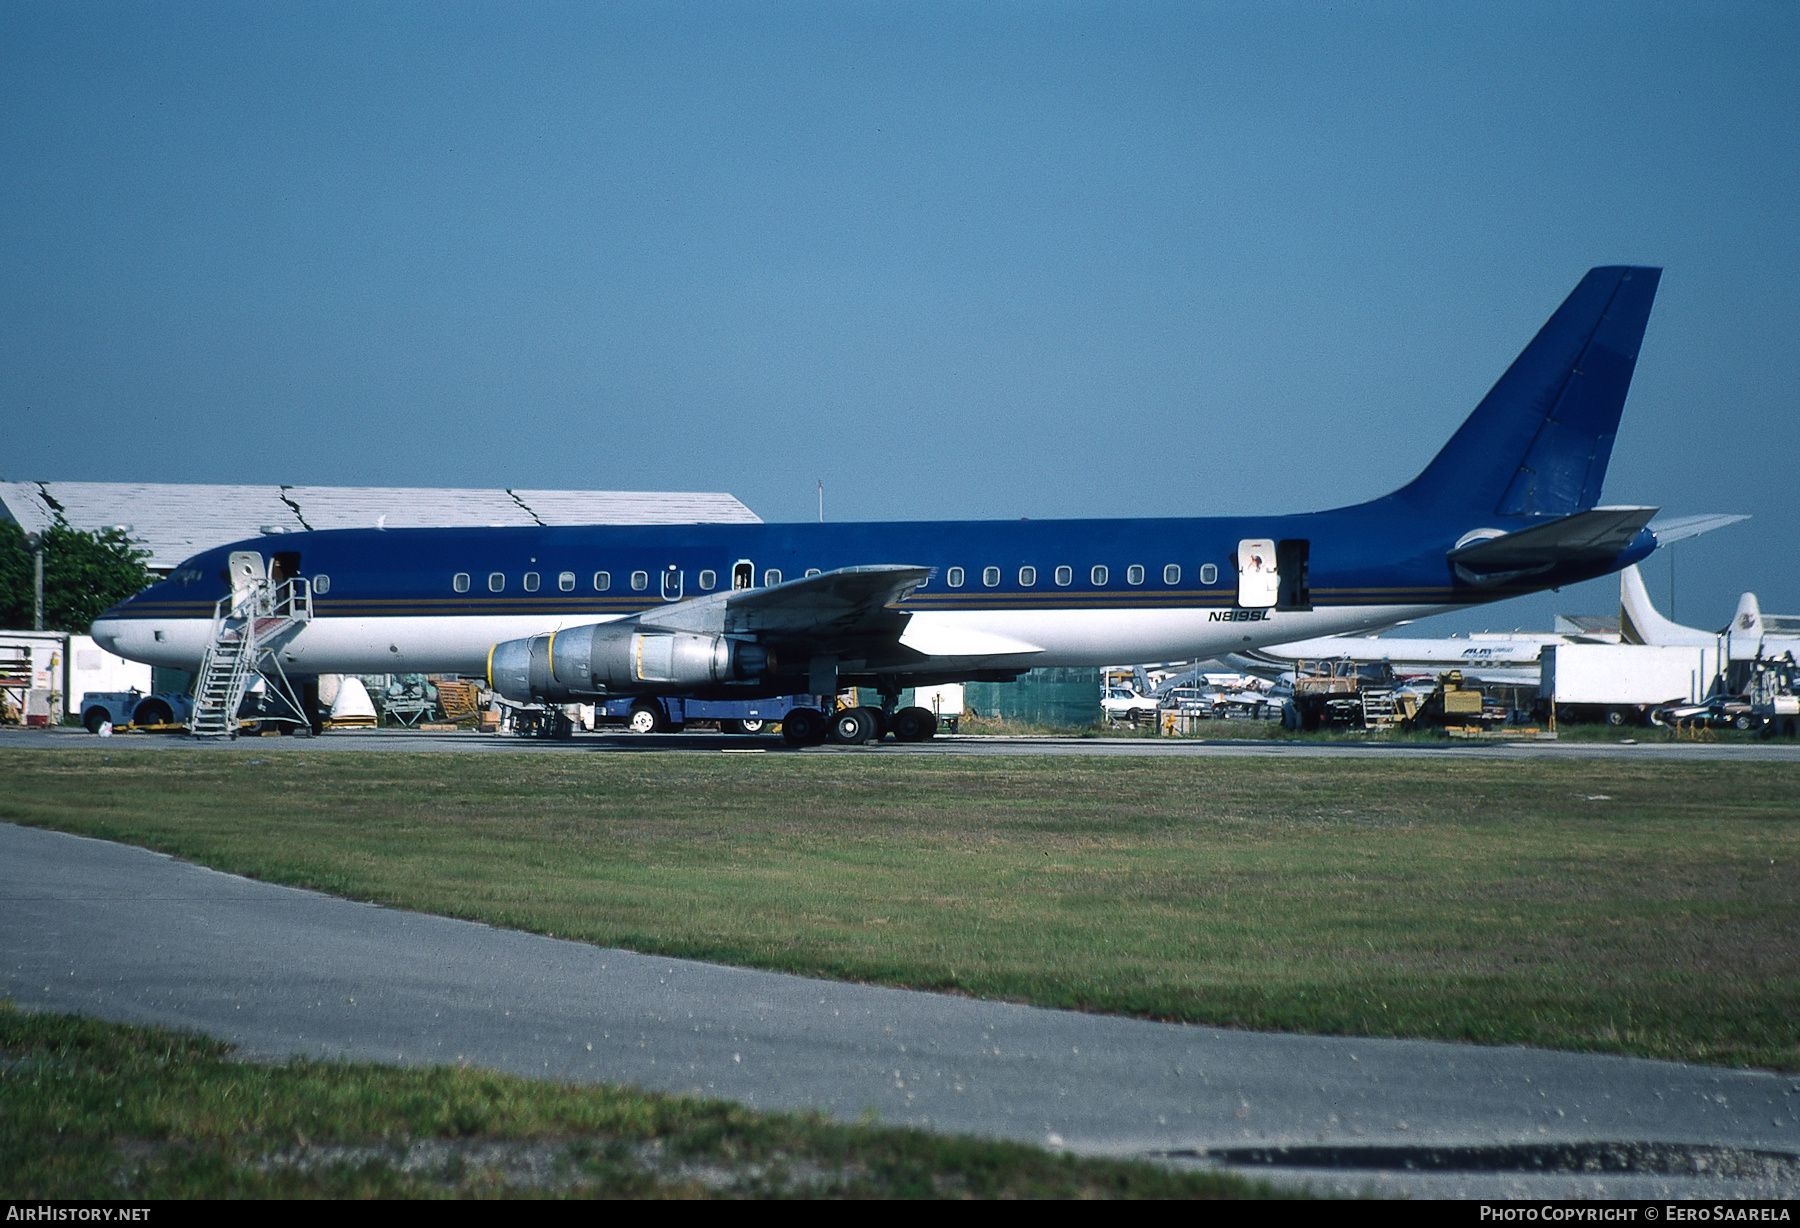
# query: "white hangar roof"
{"points": [[176, 521]]}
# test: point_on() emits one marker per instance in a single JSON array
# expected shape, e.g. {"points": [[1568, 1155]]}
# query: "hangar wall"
{"points": [[175, 521]]}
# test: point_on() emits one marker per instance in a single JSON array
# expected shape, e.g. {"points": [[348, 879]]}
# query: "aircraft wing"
{"points": [[1593, 536], [849, 603]]}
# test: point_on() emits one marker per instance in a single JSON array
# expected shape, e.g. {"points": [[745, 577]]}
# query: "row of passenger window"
{"points": [[955, 577], [496, 581], [640, 580]]}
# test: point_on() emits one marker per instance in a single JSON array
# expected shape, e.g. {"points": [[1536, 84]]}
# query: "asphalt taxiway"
{"points": [[120, 933], [429, 742]]}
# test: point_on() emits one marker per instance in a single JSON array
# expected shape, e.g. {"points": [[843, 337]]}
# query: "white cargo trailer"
{"points": [[1621, 683]]}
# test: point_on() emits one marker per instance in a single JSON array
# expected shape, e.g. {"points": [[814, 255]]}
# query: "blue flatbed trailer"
{"points": [[669, 714]]}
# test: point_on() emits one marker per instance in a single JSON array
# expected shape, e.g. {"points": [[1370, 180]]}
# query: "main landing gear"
{"points": [[856, 726], [853, 726]]}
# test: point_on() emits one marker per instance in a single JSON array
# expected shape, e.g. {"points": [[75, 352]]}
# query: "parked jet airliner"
{"points": [[563, 614], [1748, 636]]}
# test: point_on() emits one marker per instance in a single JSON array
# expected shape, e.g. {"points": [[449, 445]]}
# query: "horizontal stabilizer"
{"points": [[1680, 528], [1596, 536]]}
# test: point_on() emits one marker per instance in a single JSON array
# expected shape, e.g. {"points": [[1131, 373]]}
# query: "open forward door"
{"points": [[1259, 576]]}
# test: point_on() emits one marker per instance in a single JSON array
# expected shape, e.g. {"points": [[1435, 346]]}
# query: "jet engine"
{"points": [[619, 659]]}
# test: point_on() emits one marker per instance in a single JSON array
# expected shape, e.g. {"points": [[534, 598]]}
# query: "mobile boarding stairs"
{"points": [[249, 629]]}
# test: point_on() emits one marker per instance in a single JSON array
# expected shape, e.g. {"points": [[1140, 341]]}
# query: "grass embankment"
{"points": [[1646, 908], [92, 1110]]}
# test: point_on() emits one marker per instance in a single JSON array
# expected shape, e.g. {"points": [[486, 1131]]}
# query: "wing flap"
{"points": [[848, 602], [936, 639]]}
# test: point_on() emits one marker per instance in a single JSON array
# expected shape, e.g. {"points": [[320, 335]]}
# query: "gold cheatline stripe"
{"points": [[990, 605], [462, 599], [464, 606], [442, 604], [1416, 588]]}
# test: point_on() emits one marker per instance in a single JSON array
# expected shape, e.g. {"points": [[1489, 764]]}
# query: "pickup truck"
{"points": [[1124, 704]]}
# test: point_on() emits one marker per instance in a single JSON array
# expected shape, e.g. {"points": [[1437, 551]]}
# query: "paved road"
{"points": [[122, 933], [709, 743]]}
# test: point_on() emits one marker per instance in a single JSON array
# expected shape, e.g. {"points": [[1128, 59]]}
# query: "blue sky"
{"points": [[954, 260]]}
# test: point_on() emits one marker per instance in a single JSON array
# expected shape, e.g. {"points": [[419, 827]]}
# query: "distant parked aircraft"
{"points": [[1511, 659], [1749, 634]]}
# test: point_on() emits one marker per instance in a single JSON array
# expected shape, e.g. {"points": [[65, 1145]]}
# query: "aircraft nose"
{"points": [[105, 632]]}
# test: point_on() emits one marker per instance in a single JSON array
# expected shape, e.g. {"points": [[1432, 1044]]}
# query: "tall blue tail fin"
{"points": [[1539, 442]]}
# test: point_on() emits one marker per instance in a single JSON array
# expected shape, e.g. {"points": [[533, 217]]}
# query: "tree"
{"points": [[84, 574]]}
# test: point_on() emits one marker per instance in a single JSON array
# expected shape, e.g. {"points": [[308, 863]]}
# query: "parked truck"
{"points": [[1336, 695], [1621, 684], [1774, 695]]}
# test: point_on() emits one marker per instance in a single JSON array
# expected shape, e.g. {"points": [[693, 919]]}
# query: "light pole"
{"points": [[35, 543]]}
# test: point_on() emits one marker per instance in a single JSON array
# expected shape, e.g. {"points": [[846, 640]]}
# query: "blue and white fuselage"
{"points": [[389, 603], [1508, 507]]}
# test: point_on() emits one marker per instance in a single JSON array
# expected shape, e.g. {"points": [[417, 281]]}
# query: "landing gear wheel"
{"points": [[852, 727], [879, 721], [1742, 721], [803, 727], [646, 718], [914, 725]]}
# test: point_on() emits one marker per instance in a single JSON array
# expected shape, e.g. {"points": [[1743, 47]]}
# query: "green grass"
{"points": [[92, 1110], [1646, 908]]}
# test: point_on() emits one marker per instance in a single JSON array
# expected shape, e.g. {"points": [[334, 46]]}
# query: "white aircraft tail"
{"points": [[1747, 622], [1639, 623]]}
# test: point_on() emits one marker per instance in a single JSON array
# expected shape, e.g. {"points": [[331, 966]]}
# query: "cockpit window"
{"points": [[188, 575]]}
